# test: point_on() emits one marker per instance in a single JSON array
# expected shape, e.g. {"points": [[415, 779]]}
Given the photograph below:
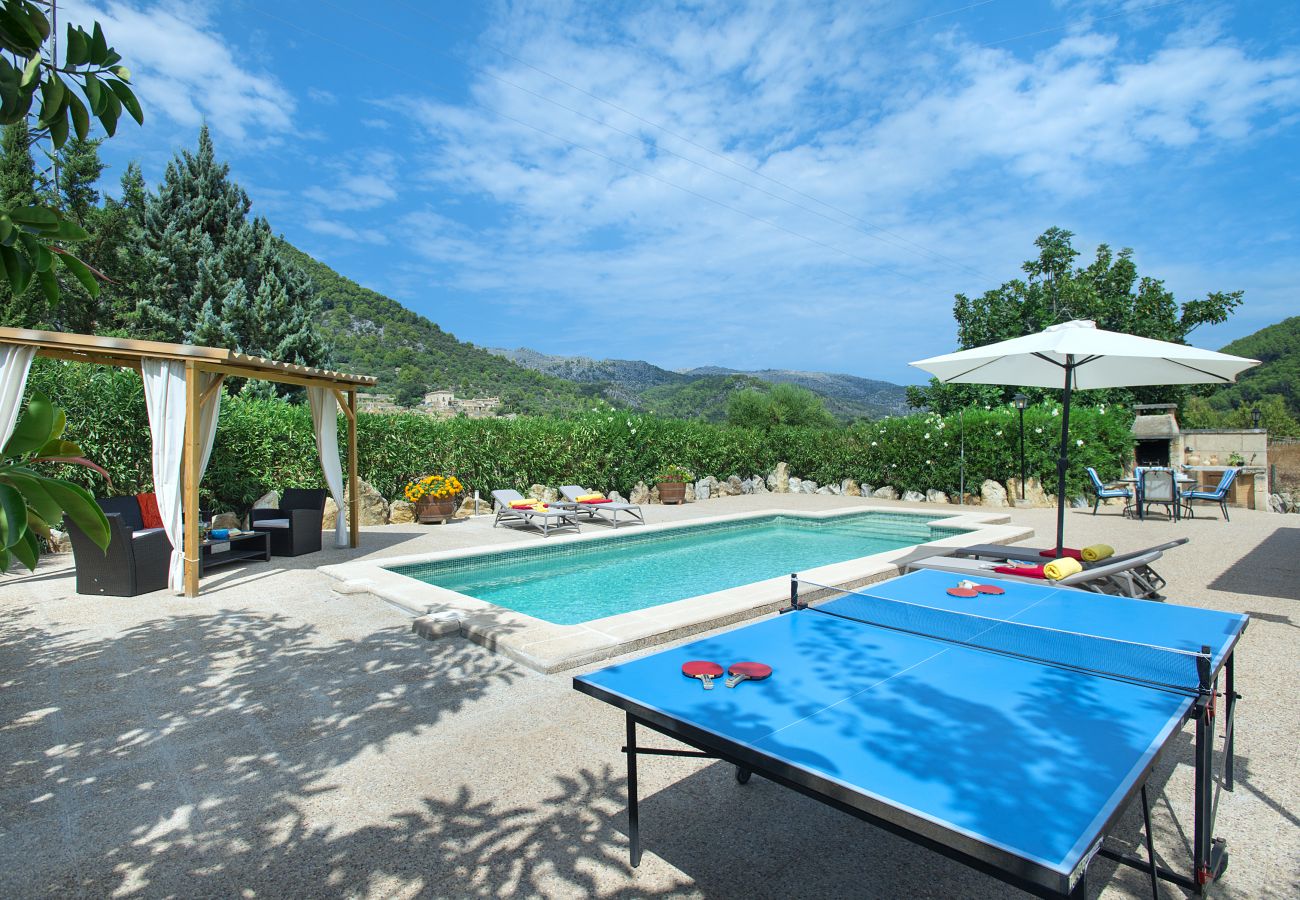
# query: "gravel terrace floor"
{"points": [[274, 738]]}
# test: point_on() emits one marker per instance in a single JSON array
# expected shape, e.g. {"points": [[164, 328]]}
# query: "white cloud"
{"points": [[185, 70], [364, 181], [343, 231]]}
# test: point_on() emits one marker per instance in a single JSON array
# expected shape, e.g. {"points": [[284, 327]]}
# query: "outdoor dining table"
{"points": [[1179, 481]]}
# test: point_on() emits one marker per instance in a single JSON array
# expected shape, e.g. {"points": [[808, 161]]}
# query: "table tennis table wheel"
{"points": [[742, 775]]}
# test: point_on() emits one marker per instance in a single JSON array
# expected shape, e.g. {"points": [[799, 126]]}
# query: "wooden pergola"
{"points": [[128, 354]]}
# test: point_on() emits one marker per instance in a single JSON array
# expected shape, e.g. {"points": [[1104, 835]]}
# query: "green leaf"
{"points": [[110, 113], [28, 550], [49, 285], [39, 254], [60, 424], [31, 72], [69, 230], [20, 35], [34, 427], [78, 47], [80, 117], [80, 508], [38, 21], [128, 99], [13, 516], [6, 228], [95, 94], [34, 216], [17, 268], [52, 92], [98, 46], [37, 497], [59, 447], [81, 272]]}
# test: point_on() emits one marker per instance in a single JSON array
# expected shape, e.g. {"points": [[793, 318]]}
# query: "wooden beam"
{"points": [[190, 481], [342, 398], [210, 390], [354, 502]]}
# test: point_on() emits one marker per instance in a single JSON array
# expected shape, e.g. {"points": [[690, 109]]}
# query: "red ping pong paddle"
{"points": [[704, 670], [747, 671], [989, 589], [963, 592]]}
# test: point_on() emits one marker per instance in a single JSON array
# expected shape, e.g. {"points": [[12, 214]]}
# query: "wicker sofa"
{"points": [[295, 526], [137, 558]]}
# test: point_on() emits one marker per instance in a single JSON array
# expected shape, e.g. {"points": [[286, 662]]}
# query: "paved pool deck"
{"points": [[276, 738]]}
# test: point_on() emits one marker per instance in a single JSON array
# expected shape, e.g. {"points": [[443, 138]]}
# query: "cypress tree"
{"points": [[217, 277]]}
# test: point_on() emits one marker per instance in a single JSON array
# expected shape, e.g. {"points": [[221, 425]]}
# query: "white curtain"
{"points": [[15, 361], [164, 394], [325, 419]]}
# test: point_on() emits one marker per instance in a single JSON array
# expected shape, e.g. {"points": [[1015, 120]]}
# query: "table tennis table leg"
{"points": [[633, 813], [1203, 797]]}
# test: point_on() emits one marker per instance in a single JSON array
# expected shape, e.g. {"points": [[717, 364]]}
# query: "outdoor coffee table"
{"points": [[236, 548]]}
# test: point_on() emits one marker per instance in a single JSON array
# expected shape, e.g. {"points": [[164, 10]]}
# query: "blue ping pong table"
{"points": [[1008, 732]]}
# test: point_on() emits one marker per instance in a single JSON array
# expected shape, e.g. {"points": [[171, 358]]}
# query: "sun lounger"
{"points": [[547, 520], [1035, 555], [1122, 579], [606, 511]]}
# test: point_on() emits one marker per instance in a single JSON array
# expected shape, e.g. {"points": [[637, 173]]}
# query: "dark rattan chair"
{"points": [[137, 558], [295, 526]]}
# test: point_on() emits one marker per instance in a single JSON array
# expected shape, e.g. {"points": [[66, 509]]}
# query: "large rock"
{"points": [[226, 520], [640, 493], [914, 497], [850, 488], [933, 496], [992, 494], [269, 500], [654, 494], [689, 496], [1034, 493], [401, 512], [466, 509], [703, 490], [808, 487], [780, 479], [732, 487], [825, 489], [747, 486], [885, 493], [867, 490], [831, 489], [61, 541], [374, 509], [543, 493], [760, 484], [793, 486], [616, 497]]}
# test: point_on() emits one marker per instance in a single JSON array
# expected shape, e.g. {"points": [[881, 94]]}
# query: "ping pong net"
{"points": [[1162, 667]]}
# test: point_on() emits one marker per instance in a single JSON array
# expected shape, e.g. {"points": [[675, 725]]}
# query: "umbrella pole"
{"points": [[1063, 460]]}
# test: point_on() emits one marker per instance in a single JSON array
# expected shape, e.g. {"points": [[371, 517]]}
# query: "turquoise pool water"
{"points": [[568, 584]]}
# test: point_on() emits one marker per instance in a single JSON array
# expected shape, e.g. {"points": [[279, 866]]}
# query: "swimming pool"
{"points": [[580, 582]]}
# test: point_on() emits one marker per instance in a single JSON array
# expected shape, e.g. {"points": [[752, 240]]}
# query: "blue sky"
{"points": [[792, 185]]}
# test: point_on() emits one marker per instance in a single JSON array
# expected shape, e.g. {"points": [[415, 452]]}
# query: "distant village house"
{"points": [[443, 404]]}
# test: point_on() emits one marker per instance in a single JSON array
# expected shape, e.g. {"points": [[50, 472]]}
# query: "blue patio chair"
{"points": [[1105, 492], [1219, 495]]}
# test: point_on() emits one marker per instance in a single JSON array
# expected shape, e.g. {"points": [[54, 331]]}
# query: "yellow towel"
{"points": [[1062, 568], [594, 495], [1096, 552]]}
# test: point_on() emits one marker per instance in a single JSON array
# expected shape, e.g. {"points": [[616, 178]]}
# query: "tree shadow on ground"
{"points": [[1272, 569]]}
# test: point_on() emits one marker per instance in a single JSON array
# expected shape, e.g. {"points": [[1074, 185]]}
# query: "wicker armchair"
{"points": [[295, 526], [137, 559]]}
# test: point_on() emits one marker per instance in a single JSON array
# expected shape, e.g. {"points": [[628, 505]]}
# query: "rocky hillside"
{"points": [[703, 392]]}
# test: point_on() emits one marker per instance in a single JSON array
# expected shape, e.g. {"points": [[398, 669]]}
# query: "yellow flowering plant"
{"points": [[433, 487]]}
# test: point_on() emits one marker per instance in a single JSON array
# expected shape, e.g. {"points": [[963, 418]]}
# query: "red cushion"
{"points": [[1027, 571], [601, 500], [1065, 551], [149, 510]]}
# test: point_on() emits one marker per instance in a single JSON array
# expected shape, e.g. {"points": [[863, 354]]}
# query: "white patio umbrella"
{"points": [[1078, 356]]}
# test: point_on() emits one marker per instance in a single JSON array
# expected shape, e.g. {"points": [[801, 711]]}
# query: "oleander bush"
{"points": [[264, 444]]}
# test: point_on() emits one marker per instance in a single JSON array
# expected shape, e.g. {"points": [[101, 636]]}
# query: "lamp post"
{"points": [[1254, 417], [1021, 401]]}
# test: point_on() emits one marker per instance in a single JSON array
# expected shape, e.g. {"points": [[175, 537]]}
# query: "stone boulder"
{"points": [[401, 512], [732, 487], [808, 486], [60, 541], [464, 511], [885, 493], [543, 493], [825, 489], [229, 520], [831, 489], [374, 508], [703, 490], [640, 493], [933, 496], [654, 494], [866, 490], [850, 488], [616, 497], [913, 497], [992, 494], [793, 486], [759, 484], [689, 496], [780, 479], [747, 486], [269, 500], [1034, 493]]}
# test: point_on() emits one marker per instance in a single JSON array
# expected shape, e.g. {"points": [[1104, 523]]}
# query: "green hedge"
{"points": [[263, 444]]}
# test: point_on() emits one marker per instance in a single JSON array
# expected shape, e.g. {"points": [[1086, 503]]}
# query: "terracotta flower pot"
{"points": [[428, 509], [672, 492]]}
